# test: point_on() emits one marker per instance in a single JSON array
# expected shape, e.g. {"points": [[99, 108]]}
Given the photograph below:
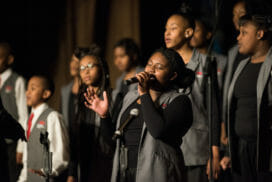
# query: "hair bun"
{"points": [[185, 8], [269, 22]]}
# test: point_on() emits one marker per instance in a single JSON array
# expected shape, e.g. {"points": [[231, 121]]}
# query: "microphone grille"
{"points": [[134, 112]]}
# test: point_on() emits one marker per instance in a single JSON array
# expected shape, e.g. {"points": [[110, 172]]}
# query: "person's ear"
{"points": [[174, 76], [188, 32], [46, 94], [10, 59], [260, 34], [209, 35]]}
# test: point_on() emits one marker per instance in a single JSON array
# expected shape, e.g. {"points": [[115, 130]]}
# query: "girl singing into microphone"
{"points": [[148, 149]]}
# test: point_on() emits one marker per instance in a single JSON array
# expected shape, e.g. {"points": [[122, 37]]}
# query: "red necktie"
{"points": [[29, 123]]}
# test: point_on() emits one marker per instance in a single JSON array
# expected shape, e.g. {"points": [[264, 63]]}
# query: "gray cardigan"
{"points": [[195, 146], [65, 94], [228, 76], [157, 161], [264, 125]]}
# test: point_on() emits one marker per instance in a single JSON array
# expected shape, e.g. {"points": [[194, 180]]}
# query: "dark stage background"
{"points": [[44, 33]]}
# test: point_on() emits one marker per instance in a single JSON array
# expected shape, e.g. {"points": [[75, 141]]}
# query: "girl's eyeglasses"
{"points": [[89, 66]]}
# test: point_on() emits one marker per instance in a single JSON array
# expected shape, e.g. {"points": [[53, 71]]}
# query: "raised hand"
{"points": [[96, 104]]}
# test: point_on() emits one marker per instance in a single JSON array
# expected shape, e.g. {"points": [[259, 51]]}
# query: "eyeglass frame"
{"points": [[89, 66]]}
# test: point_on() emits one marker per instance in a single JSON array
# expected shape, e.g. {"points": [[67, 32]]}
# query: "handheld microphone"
{"points": [[133, 113], [131, 81], [135, 80]]}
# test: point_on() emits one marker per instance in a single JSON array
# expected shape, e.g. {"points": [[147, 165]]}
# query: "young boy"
{"points": [[43, 118], [12, 91]]}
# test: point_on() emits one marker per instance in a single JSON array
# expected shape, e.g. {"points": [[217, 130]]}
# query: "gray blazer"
{"points": [[157, 161], [195, 146], [228, 76], [65, 94], [264, 125]]}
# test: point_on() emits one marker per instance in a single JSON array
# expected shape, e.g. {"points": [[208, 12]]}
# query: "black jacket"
{"points": [[9, 128]]}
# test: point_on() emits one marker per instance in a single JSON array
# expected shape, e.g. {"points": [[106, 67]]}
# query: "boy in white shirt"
{"points": [[43, 118]]}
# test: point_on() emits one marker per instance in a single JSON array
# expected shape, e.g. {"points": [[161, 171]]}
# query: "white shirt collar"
{"points": [[37, 112]]}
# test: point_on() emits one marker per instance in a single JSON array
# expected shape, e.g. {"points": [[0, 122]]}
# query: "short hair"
{"points": [[185, 76], [131, 48], [7, 47], [205, 19], [261, 21], [48, 83]]}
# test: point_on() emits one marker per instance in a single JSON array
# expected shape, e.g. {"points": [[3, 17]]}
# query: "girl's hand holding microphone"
{"points": [[145, 80]]}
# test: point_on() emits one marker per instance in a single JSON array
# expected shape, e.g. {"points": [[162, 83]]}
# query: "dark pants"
{"points": [[14, 169], [225, 176], [247, 152]]}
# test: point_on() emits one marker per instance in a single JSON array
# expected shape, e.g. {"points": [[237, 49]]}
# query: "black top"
{"points": [[132, 133], [245, 94], [9, 128], [72, 104], [239, 57], [167, 122], [89, 150]]}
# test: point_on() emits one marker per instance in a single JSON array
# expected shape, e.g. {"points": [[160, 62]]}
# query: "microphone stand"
{"points": [[209, 92], [47, 155], [207, 86]]}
